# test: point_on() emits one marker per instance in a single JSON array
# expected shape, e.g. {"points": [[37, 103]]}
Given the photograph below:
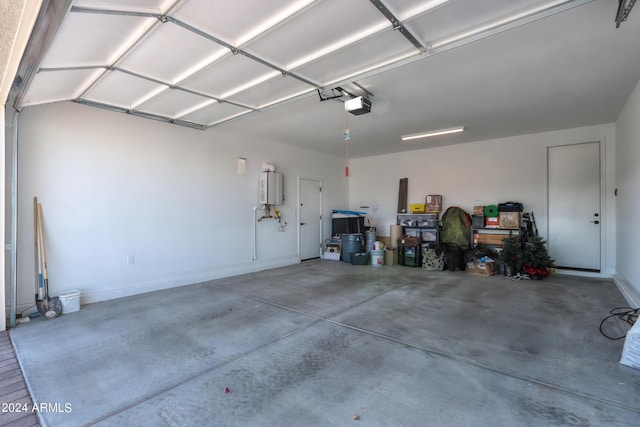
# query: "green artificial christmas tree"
{"points": [[511, 255], [536, 261]]}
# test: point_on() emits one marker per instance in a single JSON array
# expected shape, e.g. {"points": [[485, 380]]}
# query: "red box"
{"points": [[492, 221]]}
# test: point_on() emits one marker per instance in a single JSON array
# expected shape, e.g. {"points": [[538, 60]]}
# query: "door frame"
{"points": [[604, 218], [319, 181]]}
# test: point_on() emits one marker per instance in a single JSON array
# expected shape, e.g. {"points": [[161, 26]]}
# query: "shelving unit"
{"points": [[426, 227], [508, 224], [423, 225]]}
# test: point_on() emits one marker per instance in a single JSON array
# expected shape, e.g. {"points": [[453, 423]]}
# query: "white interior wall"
{"points": [[481, 173], [113, 185], [628, 200]]}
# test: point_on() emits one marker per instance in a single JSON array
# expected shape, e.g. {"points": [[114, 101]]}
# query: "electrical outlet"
{"points": [[130, 259]]}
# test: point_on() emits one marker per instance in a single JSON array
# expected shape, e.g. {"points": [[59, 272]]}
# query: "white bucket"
{"points": [[70, 300], [377, 258]]}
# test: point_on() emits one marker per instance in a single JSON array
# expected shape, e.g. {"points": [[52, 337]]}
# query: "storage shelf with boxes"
{"points": [[419, 228], [492, 223]]}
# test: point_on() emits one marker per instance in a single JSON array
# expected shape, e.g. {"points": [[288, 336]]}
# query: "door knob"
{"points": [[595, 222]]}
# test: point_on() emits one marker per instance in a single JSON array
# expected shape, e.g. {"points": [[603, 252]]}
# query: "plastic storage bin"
{"points": [[410, 256]]}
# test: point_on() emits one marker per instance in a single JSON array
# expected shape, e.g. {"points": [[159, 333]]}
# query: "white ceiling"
{"points": [[261, 67]]}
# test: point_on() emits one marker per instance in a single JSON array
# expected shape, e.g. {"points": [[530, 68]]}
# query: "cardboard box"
{"points": [[488, 268], [433, 203], [489, 239], [509, 219], [390, 256], [478, 210]]}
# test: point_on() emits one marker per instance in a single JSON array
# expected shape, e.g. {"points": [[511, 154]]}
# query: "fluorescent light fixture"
{"points": [[432, 133]]}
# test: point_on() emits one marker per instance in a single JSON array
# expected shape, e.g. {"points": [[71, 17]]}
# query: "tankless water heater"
{"points": [[271, 188]]}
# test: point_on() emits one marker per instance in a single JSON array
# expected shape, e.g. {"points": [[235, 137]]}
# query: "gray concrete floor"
{"points": [[323, 342]]}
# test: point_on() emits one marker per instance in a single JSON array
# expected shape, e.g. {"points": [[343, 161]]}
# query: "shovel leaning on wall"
{"points": [[49, 308]]}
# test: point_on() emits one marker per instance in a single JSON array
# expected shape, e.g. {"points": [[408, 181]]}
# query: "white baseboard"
{"points": [[150, 284], [579, 273], [630, 293], [104, 291]]}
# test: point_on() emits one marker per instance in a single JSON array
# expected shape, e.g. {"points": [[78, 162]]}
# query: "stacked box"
{"points": [[433, 203], [509, 214], [489, 239], [412, 232], [417, 208], [390, 256], [478, 210], [492, 222], [409, 251], [510, 207], [424, 234], [509, 219], [430, 220], [429, 235], [409, 241], [477, 221], [419, 220], [410, 256]]}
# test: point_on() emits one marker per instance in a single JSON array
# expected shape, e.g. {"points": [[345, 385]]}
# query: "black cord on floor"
{"points": [[625, 314]]}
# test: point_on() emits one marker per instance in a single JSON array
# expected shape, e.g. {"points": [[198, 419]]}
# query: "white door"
{"points": [[574, 206], [310, 214]]}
